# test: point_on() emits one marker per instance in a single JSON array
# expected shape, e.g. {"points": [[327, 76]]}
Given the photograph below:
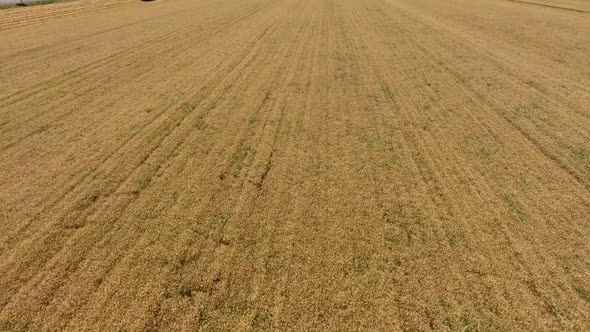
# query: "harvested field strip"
{"points": [[19, 17], [294, 164]]}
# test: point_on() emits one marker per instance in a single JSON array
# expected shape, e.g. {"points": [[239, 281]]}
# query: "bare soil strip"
{"points": [[295, 165]]}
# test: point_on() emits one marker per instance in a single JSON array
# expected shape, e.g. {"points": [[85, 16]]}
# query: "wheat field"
{"points": [[342, 165]]}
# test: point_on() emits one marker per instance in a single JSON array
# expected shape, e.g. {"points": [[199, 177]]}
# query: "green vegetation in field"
{"points": [[203, 317], [404, 225], [239, 155], [220, 218], [187, 107], [378, 142], [583, 294], [516, 209], [260, 321], [452, 240], [477, 148], [361, 264], [581, 157], [201, 124], [7, 326], [186, 290]]}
